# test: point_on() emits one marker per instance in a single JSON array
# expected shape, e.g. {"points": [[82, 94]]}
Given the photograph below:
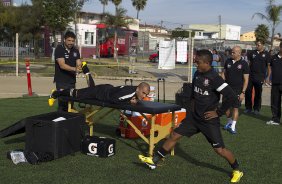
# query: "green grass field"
{"points": [[257, 146]]}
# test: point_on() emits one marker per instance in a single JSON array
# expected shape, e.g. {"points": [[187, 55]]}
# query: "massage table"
{"points": [[157, 132]]}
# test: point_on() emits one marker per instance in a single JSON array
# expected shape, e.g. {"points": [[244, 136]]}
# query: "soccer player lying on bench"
{"points": [[106, 93]]}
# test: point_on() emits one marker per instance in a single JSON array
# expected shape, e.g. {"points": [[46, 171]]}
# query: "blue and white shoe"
{"points": [[232, 131], [227, 126]]}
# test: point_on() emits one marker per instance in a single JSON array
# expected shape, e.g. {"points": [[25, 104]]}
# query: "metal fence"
{"points": [[26, 49]]}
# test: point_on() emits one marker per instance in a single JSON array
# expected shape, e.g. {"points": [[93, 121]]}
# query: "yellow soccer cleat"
{"points": [[236, 176], [85, 68], [148, 161], [84, 63], [51, 99]]}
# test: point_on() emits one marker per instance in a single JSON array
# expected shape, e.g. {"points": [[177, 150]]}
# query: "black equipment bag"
{"points": [[98, 146], [16, 128], [43, 135], [184, 95]]}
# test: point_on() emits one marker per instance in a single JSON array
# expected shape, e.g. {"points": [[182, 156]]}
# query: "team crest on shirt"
{"points": [[239, 67], [228, 66], [206, 82], [254, 56], [74, 54], [263, 55]]}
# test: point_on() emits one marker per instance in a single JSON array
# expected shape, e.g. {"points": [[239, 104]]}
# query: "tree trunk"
{"points": [[272, 36], [115, 45], [36, 47], [75, 28], [55, 39]]}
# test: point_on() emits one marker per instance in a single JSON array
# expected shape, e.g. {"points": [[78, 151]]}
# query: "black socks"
{"points": [[235, 165], [91, 82], [161, 153]]}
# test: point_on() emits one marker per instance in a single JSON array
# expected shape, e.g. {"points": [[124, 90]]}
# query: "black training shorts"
{"points": [[210, 129], [237, 92]]}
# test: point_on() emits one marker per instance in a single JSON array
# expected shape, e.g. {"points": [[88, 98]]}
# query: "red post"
{"points": [[27, 64]]}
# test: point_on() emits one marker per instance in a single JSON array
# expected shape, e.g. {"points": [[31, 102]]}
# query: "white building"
{"points": [[86, 39], [212, 31]]}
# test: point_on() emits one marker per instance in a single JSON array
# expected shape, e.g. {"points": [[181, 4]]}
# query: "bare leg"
{"points": [[225, 153], [171, 141], [228, 113], [235, 114]]}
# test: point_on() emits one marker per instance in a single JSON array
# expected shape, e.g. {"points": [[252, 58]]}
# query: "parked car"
{"points": [[154, 58]]}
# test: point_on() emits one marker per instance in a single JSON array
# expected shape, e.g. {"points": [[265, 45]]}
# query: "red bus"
{"points": [[125, 38]]}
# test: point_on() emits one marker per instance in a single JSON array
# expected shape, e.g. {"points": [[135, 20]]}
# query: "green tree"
{"points": [[116, 21], [58, 14], [181, 33], [272, 16], [262, 33], [3, 18], [104, 3], [139, 5], [11, 23]]}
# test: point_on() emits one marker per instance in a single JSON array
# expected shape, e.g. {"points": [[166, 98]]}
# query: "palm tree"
{"points": [[272, 16], [262, 33], [116, 21], [104, 3], [116, 3], [139, 5]]}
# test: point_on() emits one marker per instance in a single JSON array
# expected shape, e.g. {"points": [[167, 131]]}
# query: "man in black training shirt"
{"points": [[258, 61], [207, 86], [67, 63], [107, 93], [276, 88], [236, 74]]}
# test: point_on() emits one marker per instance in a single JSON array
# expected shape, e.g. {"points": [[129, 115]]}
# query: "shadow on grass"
{"points": [[259, 117], [194, 161], [15, 140]]}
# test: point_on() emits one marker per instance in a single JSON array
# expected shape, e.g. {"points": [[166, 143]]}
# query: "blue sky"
{"points": [[175, 13]]}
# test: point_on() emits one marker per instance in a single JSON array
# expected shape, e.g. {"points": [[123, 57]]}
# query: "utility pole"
{"points": [[219, 19], [161, 26]]}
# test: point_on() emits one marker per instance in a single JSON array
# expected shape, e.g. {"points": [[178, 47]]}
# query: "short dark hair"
{"points": [[261, 41], [280, 45], [69, 34], [206, 55]]}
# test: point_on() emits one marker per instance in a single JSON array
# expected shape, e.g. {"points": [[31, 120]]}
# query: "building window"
{"points": [[89, 38], [6, 3]]}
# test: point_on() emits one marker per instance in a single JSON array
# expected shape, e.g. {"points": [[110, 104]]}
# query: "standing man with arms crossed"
{"points": [[258, 61], [207, 86], [67, 63], [276, 87], [236, 74]]}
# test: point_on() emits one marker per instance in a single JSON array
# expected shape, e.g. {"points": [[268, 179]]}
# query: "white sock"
{"points": [[233, 125]]}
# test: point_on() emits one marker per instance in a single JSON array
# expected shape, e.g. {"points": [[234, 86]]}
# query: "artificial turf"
{"points": [[257, 147]]}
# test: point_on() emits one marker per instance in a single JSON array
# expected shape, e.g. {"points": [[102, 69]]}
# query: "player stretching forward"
{"points": [[207, 86]]}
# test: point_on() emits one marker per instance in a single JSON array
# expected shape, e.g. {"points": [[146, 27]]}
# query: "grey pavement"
{"points": [[13, 87]]}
